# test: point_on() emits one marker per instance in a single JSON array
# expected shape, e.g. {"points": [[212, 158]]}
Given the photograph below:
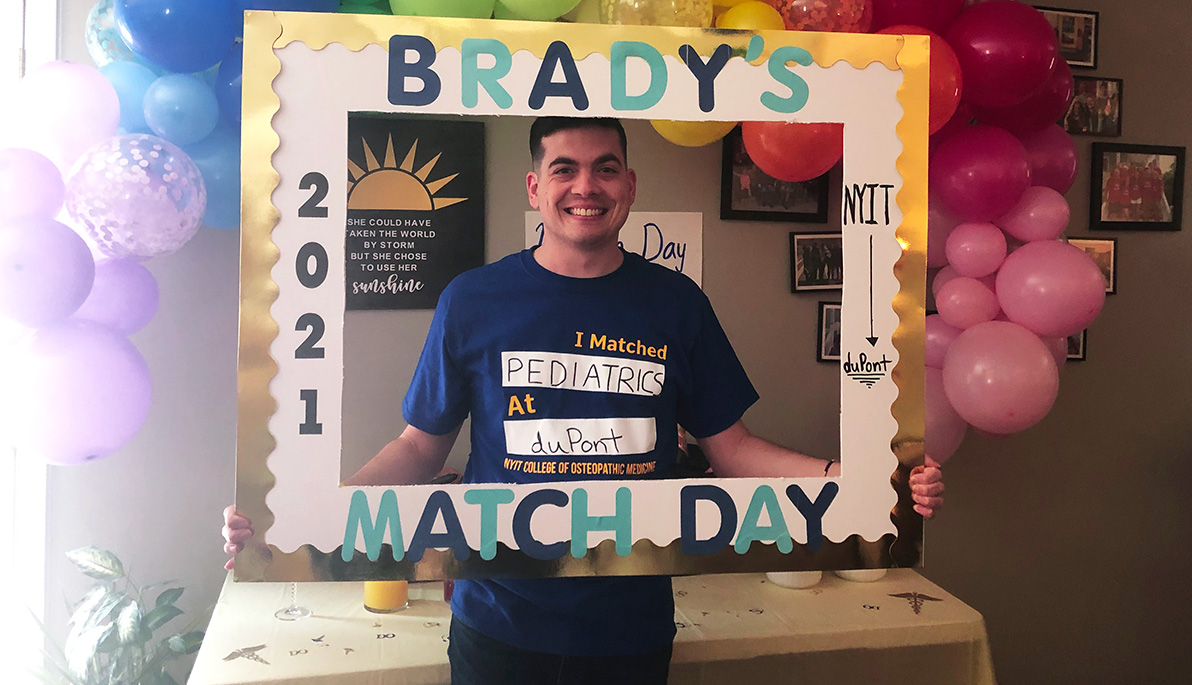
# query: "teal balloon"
{"points": [[218, 158], [535, 10], [131, 80], [181, 108], [471, 9]]}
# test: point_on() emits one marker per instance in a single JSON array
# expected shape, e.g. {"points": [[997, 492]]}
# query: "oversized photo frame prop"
{"points": [[305, 72]]}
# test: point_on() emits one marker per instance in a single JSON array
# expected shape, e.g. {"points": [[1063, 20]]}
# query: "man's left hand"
{"points": [[927, 488]]}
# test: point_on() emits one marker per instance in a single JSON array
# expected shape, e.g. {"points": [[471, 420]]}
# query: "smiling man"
{"points": [[522, 346]]}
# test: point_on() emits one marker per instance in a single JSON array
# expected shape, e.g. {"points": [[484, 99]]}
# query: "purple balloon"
{"points": [[84, 392], [1041, 214], [979, 173], [30, 184], [137, 196], [1042, 109], [46, 271], [1051, 156], [124, 297], [61, 108], [1051, 288], [940, 223], [976, 249], [1006, 51], [1000, 377], [943, 429], [938, 337], [965, 302]]}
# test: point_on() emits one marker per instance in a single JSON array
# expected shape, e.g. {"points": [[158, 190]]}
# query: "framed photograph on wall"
{"points": [[1103, 252], [1096, 107], [747, 192], [1136, 187], [1076, 33], [1078, 346], [827, 347], [816, 261]]}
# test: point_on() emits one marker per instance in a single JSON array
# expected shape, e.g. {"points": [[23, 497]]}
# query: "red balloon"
{"points": [[847, 16], [945, 76], [793, 152], [961, 120], [1051, 156], [1006, 50], [980, 173], [1043, 108], [934, 15]]}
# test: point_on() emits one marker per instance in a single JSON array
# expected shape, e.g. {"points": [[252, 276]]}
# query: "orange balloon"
{"points": [[793, 152], [946, 79]]}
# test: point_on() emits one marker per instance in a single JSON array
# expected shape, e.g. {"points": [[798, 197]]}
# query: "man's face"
{"points": [[582, 187]]}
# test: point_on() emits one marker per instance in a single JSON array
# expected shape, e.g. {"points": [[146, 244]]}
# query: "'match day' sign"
{"points": [[304, 75]]}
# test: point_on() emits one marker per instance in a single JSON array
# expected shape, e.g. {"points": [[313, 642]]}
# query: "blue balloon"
{"points": [[291, 5], [181, 108], [227, 82], [183, 36], [218, 158], [131, 80]]}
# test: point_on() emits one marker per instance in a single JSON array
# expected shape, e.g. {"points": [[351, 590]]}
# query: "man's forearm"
{"points": [[737, 453], [414, 457]]}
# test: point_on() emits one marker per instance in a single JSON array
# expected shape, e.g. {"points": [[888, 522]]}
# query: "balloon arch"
{"points": [[111, 166]]}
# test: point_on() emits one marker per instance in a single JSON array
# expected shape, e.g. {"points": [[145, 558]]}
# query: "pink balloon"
{"points": [[1006, 50], [46, 271], [62, 108], [1051, 288], [1042, 109], [1000, 377], [124, 297], [938, 337], [965, 302], [84, 392], [1058, 347], [940, 223], [941, 277], [976, 249], [1051, 156], [943, 429], [1041, 214], [935, 15], [980, 172], [30, 184]]}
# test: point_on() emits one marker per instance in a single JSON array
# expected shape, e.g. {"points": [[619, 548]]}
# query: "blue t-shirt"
{"points": [[574, 379]]}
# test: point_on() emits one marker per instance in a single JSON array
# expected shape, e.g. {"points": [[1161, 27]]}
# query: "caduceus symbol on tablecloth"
{"points": [[916, 599], [249, 653]]}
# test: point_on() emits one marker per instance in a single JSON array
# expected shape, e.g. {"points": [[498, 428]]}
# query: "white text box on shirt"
{"points": [[580, 437], [583, 372]]}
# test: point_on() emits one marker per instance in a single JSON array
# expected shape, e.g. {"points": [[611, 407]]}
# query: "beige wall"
{"points": [[1067, 537]]}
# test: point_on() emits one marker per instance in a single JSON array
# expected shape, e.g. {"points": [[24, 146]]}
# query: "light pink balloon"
{"points": [[61, 108], [1000, 377], [941, 277], [964, 302], [976, 249], [1051, 288], [940, 223], [1041, 214], [30, 184], [939, 336], [943, 429], [1058, 347]]}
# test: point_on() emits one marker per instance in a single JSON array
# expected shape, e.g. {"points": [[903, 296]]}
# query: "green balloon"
{"points": [[355, 2], [534, 10], [345, 8], [471, 9]]}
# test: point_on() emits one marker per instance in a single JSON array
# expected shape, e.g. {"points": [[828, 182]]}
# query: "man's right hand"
{"points": [[237, 530]]}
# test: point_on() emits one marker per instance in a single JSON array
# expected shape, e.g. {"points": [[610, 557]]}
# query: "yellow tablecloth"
{"points": [[731, 628]]}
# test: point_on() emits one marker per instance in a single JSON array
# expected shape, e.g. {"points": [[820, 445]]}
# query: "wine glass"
{"points": [[292, 612]]}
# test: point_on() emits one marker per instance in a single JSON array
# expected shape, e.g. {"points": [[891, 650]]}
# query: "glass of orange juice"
{"points": [[386, 596]]}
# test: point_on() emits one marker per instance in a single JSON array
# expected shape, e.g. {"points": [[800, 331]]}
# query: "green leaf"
{"points": [[99, 564], [169, 596], [165, 679], [128, 623], [80, 653], [161, 614], [186, 643], [88, 604]]}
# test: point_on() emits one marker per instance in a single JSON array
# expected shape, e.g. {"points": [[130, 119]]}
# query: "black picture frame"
{"points": [[1122, 193], [1096, 107], [1078, 346], [828, 332], [802, 201], [817, 261], [1103, 252], [1077, 32]]}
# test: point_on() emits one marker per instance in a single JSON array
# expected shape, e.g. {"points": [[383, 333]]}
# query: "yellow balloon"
{"points": [[692, 133], [728, 3], [751, 15]]}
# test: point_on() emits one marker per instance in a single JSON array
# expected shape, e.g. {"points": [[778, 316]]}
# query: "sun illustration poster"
{"points": [[415, 208]]}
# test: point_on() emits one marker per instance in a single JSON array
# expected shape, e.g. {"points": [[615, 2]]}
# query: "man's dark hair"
{"points": [[545, 126]]}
